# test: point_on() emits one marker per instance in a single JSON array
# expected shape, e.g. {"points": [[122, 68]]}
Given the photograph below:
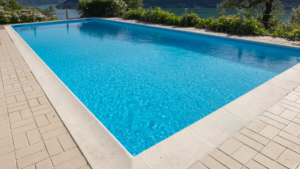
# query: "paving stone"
{"points": [[24, 128], [288, 114], [257, 126], [290, 137], [287, 143], [17, 85], [66, 141], [36, 87], [53, 147], [25, 114], [272, 122], [20, 97], [14, 117], [17, 104], [4, 131], [22, 123], [276, 109], [297, 110], [46, 164], [248, 141], [4, 117], [32, 159], [7, 161], [50, 127], [212, 163], [20, 141], [273, 150], [43, 100], [30, 167], [254, 165], [41, 120], [230, 146], [52, 117], [4, 122], [255, 136], [244, 154], [27, 88], [276, 118], [29, 150], [225, 159], [289, 159], [292, 97], [88, 167], [3, 110], [34, 136], [11, 100], [5, 141], [197, 165], [267, 162], [66, 156], [296, 120], [23, 107], [296, 105], [41, 107], [33, 102], [43, 111], [293, 128], [269, 132], [73, 164], [6, 149], [54, 133]]}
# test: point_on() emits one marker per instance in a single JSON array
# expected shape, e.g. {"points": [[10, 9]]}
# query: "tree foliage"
{"points": [[14, 5], [93, 8], [50, 11], [134, 4], [295, 18], [269, 9]]}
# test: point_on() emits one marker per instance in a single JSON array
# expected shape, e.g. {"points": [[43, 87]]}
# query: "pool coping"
{"points": [[180, 150]]}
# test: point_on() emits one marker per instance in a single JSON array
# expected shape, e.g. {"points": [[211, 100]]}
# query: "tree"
{"points": [[14, 5], [251, 6], [50, 11], [133, 4], [295, 18]]}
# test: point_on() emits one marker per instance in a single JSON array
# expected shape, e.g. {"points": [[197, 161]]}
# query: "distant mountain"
{"points": [[38, 2]]}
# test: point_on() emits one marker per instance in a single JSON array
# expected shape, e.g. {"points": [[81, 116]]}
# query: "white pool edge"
{"points": [[178, 151]]}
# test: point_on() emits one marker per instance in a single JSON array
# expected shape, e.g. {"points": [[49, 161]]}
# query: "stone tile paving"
{"points": [[32, 135], [272, 141]]}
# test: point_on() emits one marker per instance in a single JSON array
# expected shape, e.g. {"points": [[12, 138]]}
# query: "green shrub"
{"points": [[230, 24], [93, 8], [19, 17]]}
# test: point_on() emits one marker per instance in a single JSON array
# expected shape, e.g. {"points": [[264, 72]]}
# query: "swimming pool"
{"points": [[145, 84]]}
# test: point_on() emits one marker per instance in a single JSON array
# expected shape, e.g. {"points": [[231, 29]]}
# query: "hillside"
{"points": [[38, 2]]}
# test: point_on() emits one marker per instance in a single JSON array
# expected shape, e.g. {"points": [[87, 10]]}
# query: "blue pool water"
{"points": [[145, 84]]}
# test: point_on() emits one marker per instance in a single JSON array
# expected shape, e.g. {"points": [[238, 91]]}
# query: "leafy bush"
{"points": [[230, 24], [92, 8], [14, 5], [19, 17], [295, 18]]}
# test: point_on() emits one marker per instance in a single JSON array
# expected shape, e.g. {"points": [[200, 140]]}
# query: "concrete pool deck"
{"points": [[273, 105]]}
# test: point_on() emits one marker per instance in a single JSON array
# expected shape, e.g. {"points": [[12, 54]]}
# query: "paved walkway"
{"points": [[32, 136], [270, 141]]}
